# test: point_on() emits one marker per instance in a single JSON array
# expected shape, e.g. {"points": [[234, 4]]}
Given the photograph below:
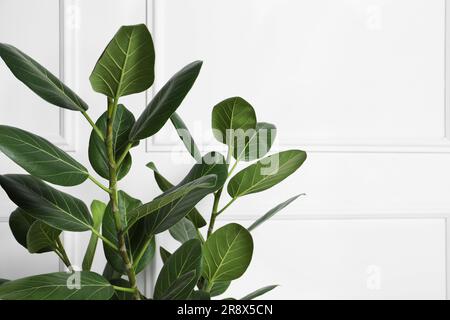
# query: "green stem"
{"points": [[114, 200], [99, 184], [92, 123], [214, 212], [142, 252], [130, 290], [105, 240], [226, 206], [124, 154]]}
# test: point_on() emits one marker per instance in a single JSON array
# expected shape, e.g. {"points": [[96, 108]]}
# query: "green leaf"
{"points": [[265, 173], [40, 80], [110, 274], [2, 281], [126, 66], [254, 144], [272, 212], [40, 157], [200, 295], [186, 260], [98, 155], [164, 254], [232, 118], [42, 238], [121, 295], [58, 286], [183, 231], [165, 102], [160, 223], [259, 292], [227, 253], [20, 222], [185, 136], [219, 287], [98, 210], [42, 202], [164, 184]]}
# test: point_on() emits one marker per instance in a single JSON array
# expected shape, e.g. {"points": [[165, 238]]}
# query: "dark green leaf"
{"points": [[40, 157], [272, 212], [265, 173], [2, 281], [232, 118], [40, 80], [98, 156], [47, 204], [200, 295], [187, 259], [219, 287], [183, 231], [58, 286], [98, 210], [42, 238], [185, 136], [121, 295], [164, 254], [259, 292], [227, 253], [164, 184], [110, 274], [166, 101], [20, 222], [254, 143], [127, 64]]}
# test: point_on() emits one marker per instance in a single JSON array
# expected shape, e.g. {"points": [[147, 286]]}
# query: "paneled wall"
{"points": [[360, 85]]}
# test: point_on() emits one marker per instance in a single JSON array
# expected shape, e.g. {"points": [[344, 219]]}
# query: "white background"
{"points": [[361, 85]]}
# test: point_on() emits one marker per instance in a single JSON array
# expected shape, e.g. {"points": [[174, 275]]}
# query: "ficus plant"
{"points": [[207, 259]]}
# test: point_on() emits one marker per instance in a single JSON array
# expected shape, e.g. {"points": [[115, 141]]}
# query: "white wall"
{"points": [[359, 84]]}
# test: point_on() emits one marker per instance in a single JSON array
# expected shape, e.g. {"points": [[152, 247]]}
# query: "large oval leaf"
{"points": [[127, 64], [256, 144], [47, 204], [98, 155], [232, 118], [227, 253], [40, 80], [186, 260], [265, 173], [40, 157], [41, 237], [166, 101], [58, 286]]}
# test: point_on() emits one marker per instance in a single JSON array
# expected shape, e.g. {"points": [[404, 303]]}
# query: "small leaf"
{"points": [[164, 184], [127, 64], [98, 155], [166, 101], [254, 144], [98, 210], [42, 238], [272, 212], [40, 157], [265, 173], [231, 118], [44, 203], [259, 292], [185, 136], [40, 80], [164, 254], [20, 222], [183, 231], [58, 286], [227, 253], [187, 259]]}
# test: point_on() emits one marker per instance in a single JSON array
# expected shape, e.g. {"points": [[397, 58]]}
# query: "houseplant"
{"points": [[207, 259]]}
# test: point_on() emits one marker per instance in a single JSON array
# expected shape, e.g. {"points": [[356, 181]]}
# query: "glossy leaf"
{"points": [[164, 184], [47, 204], [109, 273], [164, 254], [259, 292], [160, 223], [265, 173], [40, 157], [183, 231], [231, 118], [256, 144], [272, 212], [98, 155], [126, 66], [19, 223], [42, 238], [185, 136], [165, 102], [227, 253], [184, 261], [219, 287], [58, 286], [40, 80], [98, 210]]}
